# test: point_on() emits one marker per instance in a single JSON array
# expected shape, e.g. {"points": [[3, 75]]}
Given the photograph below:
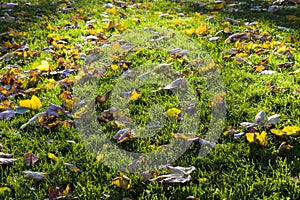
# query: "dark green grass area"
{"points": [[234, 169]]}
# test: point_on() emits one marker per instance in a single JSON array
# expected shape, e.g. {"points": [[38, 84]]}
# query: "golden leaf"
{"points": [[52, 157], [134, 96], [201, 30], [44, 66], [260, 139], [291, 130], [33, 103]]}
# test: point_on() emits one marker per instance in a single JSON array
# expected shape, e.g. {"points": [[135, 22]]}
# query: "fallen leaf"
{"points": [[258, 138], [44, 66], [30, 158], [101, 99], [173, 112], [6, 115], [124, 134], [7, 161], [33, 103], [52, 157], [284, 146], [72, 167], [178, 175], [134, 95], [5, 155], [34, 175], [122, 181]]}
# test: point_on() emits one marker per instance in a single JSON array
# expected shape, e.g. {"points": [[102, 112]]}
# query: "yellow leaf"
{"points": [[259, 68], [122, 181], [291, 17], [189, 31], [52, 157], [282, 48], [259, 139], [219, 6], [44, 66], [33, 103], [277, 132], [173, 112], [134, 96], [114, 67], [241, 55], [201, 30], [183, 136], [291, 130], [67, 190], [112, 10]]}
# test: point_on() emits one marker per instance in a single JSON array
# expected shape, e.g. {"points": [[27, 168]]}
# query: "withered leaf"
{"points": [[30, 158], [124, 134], [7, 161], [5, 155], [72, 167], [8, 114], [34, 175]]}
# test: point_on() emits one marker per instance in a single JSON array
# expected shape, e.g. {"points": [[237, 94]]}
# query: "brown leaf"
{"points": [[124, 134], [286, 65], [101, 99], [30, 158]]}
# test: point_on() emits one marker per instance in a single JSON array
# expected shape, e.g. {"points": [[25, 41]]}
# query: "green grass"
{"points": [[234, 169]]}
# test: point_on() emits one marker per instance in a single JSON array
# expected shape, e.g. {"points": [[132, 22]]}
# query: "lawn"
{"points": [[150, 99]]}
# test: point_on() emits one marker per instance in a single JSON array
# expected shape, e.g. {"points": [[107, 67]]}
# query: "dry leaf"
{"points": [[124, 134], [72, 167], [30, 158], [34, 175], [122, 181], [7, 161], [52, 157]]}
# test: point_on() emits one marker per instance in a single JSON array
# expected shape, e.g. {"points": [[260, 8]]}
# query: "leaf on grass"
{"points": [[33, 103], [52, 157], [184, 136], [287, 131], [34, 175], [268, 72], [72, 167], [284, 146], [124, 134], [286, 65], [260, 118], [173, 112], [101, 99], [6, 115], [122, 181], [178, 83], [30, 158], [272, 120], [258, 138], [178, 175], [44, 66], [201, 30], [134, 95], [7, 161], [5, 155]]}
